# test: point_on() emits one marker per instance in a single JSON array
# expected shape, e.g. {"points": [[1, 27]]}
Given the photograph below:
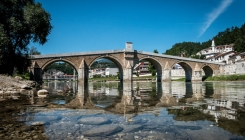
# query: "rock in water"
{"points": [[93, 120], [42, 93], [103, 130]]}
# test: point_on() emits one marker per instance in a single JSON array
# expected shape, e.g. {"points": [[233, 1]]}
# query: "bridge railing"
{"points": [[119, 51], [76, 54], [179, 58]]}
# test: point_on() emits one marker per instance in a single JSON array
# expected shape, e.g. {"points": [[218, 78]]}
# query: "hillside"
{"points": [[229, 36]]}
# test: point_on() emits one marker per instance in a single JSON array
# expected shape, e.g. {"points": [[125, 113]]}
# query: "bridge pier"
{"points": [[83, 72], [127, 74], [197, 76], [35, 72], [166, 75]]}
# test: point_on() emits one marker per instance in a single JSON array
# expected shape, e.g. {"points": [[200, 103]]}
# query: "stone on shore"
{"points": [[103, 130], [42, 93]]}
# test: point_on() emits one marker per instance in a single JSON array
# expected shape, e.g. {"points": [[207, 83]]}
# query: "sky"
{"points": [[98, 25]]}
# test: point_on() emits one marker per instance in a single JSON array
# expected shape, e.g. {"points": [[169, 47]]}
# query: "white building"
{"points": [[219, 53], [222, 57], [111, 71], [236, 57]]}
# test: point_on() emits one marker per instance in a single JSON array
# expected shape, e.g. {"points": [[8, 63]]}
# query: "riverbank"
{"points": [[13, 101]]}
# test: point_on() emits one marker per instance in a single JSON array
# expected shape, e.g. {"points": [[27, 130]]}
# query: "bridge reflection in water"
{"points": [[189, 101], [164, 94]]}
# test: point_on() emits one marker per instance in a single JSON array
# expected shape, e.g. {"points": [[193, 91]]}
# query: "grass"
{"points": [[234, 77]]}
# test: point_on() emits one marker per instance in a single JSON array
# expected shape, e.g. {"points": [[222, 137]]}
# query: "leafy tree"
{"points": [[152, 69], [155, 51], [21, 21], [34, 51]]}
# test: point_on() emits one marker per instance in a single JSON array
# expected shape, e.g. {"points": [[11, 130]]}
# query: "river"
{"points": [[142, 110]]}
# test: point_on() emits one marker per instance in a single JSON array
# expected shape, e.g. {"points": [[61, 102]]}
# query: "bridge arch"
{"points": [[157, 66], [208, 71], [57, 60], [187, 68], [113, 59]]}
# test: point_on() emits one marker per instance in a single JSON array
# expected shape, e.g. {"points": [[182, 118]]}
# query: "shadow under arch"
{"points": [[114, 60], [58, 60], [208, 71], [157, 66], [187, 68]]}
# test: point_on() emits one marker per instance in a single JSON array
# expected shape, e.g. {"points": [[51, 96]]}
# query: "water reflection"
{"points": [[173, 107]]}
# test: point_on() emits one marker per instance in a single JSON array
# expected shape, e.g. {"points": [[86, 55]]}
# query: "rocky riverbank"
{"points": [[14, 98], [12, 87]]}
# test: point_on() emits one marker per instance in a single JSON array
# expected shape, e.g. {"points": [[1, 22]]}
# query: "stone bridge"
{"points": [[126, 59]]}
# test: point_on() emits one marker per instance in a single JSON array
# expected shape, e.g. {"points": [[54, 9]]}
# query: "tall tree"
{"points": [[34, 51], [21, 21]]}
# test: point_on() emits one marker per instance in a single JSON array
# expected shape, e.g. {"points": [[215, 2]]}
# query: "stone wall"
{"points": [[237, 68], [177, 73]]}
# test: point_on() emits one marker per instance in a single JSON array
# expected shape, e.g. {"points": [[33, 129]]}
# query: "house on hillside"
{"points": [[221, 57], [215, 50], [236, 57]]}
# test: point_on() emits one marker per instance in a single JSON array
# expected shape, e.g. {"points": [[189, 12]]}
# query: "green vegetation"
{"points": [[111, 78], [226, 78], [180, 79], [61, 66], [22, 21], [25, 75], [229, 36], [103, 63]]}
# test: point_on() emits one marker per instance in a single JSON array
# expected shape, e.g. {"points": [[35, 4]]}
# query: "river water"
{"points": [[142, 110]]}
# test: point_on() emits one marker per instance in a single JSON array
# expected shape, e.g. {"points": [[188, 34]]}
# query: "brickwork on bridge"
{"points": [[126, 60]]}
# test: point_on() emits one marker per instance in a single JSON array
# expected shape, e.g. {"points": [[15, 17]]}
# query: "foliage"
{"points": [[233, 35], [103, 63], [34, 51], [61, 66], [155, 51], [24, 75], [198, 56], [226, 78], [152, 69], [186, 48], [21, 21]]}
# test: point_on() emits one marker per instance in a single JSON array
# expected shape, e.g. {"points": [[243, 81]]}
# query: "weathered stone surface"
{"points": [[94, 120], [103, 130]]}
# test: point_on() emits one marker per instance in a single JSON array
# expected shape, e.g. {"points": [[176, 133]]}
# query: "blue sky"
{"points": [[93, 25]]}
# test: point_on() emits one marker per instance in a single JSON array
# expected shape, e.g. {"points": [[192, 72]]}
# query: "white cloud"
{"points": [[214, 15]]}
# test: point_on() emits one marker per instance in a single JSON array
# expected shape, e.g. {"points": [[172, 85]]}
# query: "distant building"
{"points": [[142, 68], [219, 53], [111, 71], [236, 57], [221, 57]]}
